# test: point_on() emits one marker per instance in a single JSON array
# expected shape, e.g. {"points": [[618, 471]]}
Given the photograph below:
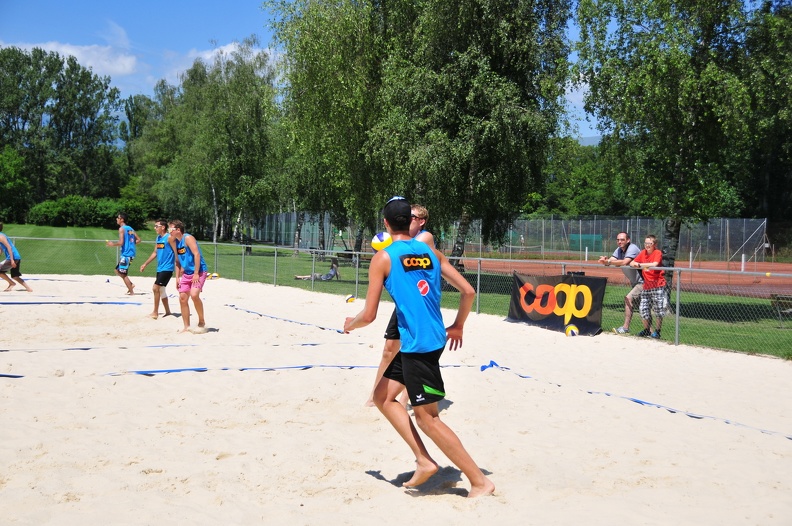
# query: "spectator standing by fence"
{"points": [[653, 296], [622, 257]]}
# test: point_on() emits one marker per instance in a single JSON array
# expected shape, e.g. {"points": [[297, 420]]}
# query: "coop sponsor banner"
{"points": [[558, 302]]}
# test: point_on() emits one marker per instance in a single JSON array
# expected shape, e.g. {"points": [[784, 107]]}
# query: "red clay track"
{"points": [[730, 280]]}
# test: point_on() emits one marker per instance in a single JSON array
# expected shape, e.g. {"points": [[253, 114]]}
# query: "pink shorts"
{"points": [[185, 282]]}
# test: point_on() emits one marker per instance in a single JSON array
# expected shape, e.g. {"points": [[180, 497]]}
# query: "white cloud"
{"points": [[116, 36], [103, 60], [176, 64]]}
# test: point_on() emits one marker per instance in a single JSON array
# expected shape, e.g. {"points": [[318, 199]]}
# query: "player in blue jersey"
{"points": [[410, 270], [419, 215], [12, 262], [127, 240], [191, 273], [165, 265]]}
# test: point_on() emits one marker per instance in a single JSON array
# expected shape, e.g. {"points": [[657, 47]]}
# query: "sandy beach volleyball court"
{"points": [[262, 419]]}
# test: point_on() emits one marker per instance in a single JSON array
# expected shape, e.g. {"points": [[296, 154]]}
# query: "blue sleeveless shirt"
{"points": [[414, 285], [14, 253], [129, 248], [186, 259], [164, 254]]}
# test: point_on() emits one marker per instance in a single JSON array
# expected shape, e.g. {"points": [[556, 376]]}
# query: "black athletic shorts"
{"points": [[5, 266], [392, 332], [420, 373], [163, 278]]}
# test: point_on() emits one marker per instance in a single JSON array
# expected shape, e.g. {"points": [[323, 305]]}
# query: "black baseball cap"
{"points": [[397, 211]]}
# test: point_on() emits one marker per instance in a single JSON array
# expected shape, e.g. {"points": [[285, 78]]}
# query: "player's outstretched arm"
{"points": [[379, 268]]}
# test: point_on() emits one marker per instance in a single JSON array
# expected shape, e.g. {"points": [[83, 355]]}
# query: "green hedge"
{"points": [[75, 210]]}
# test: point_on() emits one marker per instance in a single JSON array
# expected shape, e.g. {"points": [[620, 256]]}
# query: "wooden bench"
{"points": [[347, 258], [782, 303]]}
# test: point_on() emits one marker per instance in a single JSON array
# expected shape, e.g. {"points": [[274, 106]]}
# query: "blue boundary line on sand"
{"points": [[644, 403], [491, 365], [284, 319]]}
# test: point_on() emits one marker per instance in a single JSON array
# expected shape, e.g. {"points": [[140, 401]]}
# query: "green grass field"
{"points": [[735, 323]]}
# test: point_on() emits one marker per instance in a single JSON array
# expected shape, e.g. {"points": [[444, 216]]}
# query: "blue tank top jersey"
{"points": [[414, 285], [16, 255], [164, 254], [186, 257], [421, 232], [129, 248]]}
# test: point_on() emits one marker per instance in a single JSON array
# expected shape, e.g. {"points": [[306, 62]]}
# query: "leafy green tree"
{"points": [[769, 71], [203, 145], [472, 92], [578, 181], [332, 52], [15, 190], [665, 84], [28, 81], [61, 118]]}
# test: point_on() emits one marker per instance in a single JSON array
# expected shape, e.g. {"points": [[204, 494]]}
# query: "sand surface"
{"points": [[262, 419]]}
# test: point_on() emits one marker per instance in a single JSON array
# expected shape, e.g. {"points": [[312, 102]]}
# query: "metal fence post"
{"points": [[478, 286], [243, 263], [214, 246], [678, 279]]}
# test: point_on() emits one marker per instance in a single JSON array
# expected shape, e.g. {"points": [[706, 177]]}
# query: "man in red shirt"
{"points": [[653, 297]]}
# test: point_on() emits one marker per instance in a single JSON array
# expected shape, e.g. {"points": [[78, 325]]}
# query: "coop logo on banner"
{"points": [[554, 302]]}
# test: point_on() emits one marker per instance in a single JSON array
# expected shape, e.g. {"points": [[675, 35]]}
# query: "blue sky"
{"points": [[138, 43]]}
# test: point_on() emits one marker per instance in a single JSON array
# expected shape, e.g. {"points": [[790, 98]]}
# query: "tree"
{"points": [[472, 92], [332, 52], [665, 84], [61, 118], [578, 181], [205, 144], [769, 72], [15, 189]]}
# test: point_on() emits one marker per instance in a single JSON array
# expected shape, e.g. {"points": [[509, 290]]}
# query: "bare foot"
{"points": [[185, 329], [9, 289], [199, 330], [422, 473], [488, 488], [131, 291], [154, 315], [369, 403], [167, 314]]}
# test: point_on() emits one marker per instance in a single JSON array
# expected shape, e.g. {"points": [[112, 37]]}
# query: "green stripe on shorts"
{"points": [[431, 390]]}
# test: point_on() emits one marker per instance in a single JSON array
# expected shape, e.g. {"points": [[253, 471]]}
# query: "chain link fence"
{"points": [[740, 241], [743, 310]]}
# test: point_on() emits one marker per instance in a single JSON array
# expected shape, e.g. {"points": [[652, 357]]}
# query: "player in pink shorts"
{"points": [[191, 271]]}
